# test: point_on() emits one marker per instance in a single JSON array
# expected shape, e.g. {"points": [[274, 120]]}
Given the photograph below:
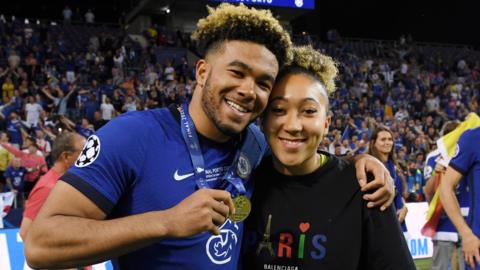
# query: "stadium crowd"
{"points": [[53, 81]]}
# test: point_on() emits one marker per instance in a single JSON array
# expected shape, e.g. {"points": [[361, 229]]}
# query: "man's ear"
{"points": [[201, 71]]}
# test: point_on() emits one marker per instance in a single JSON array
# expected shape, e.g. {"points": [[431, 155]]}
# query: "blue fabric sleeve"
{"points": [[398, 192], [465, 153], [8, 172], [429, 167], [121, 151]]}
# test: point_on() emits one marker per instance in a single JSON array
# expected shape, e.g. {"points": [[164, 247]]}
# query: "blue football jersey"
{"points": [[138, 163], [430, 163], [398, 201], [17, 177], [466, 160], [446, 231], [13, 130]]}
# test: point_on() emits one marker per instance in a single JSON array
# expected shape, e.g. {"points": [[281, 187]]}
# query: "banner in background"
{"points": [[420, 246], [302, 4], [11, 252]]}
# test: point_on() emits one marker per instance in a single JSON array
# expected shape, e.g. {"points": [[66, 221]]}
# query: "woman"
{"points": [[381, 147], [308, 208]]}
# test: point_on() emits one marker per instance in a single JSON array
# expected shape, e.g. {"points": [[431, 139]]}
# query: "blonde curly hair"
{"points": [[310, 61], [232, 22]]}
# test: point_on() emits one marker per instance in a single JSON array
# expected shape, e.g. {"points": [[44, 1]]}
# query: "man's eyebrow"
{"points": [[307, 99], [240, 64]]}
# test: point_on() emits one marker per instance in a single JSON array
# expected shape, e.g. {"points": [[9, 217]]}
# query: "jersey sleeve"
{"points": [[398, 192], [8, 173], [465, 152], [429, 166], [110, 161], [384, 246]]}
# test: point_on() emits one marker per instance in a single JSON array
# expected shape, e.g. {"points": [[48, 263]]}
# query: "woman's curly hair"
{"points": [[232, 22], [310, 61]]}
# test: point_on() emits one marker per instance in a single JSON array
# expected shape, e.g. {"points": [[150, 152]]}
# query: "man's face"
{"points": [[236, 81], [4, 137], [16, 163], [338, 150], [78, 143], [32, 149]]}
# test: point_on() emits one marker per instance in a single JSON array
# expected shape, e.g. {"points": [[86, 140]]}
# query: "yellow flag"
{"points": [[447, 144], [447, 147]]}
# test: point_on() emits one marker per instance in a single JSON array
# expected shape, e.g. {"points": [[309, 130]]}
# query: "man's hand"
{"points": [[204, 210], [382, 183], [402, 213], [439, 168], [471, 246]]}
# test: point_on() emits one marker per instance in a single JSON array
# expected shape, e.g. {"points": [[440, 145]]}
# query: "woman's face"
{"points": [[295, 123], [384, 142]]}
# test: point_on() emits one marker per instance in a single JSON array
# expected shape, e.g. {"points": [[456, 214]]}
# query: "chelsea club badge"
{"points": [[244, 168]]}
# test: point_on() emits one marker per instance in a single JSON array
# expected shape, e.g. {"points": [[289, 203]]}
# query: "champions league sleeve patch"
{"points": [[90, 152], [428, 172], [457, 150]]}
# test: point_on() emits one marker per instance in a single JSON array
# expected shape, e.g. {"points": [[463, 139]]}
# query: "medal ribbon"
{"points": [[190, 137]]}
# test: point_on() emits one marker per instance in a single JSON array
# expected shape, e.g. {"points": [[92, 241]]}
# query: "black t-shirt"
{"points": [[320, 221]]}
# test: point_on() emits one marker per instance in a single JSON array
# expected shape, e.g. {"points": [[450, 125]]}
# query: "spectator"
{"points": [[13, 60], [8, 87], [89, 16], [32, 110], [34, 164], [61, 100], [15, 179], [14, 129], [43, 144], [108, 111], [382, 147], [5, 158], [84, 128], [414, 182], [401, 114], [169, 72], [66, 149], [67, 14]]}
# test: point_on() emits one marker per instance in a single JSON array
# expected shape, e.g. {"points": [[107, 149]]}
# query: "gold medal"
{"points": [[243, 206]]}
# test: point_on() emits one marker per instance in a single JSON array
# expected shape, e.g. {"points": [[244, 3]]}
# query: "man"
{"points": [[32, 112], [465, 163], [66, 149], [5, 158], [43, 144], [14, 127], [447, 249], [32, 161], [137, 192], [14, 176]]}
